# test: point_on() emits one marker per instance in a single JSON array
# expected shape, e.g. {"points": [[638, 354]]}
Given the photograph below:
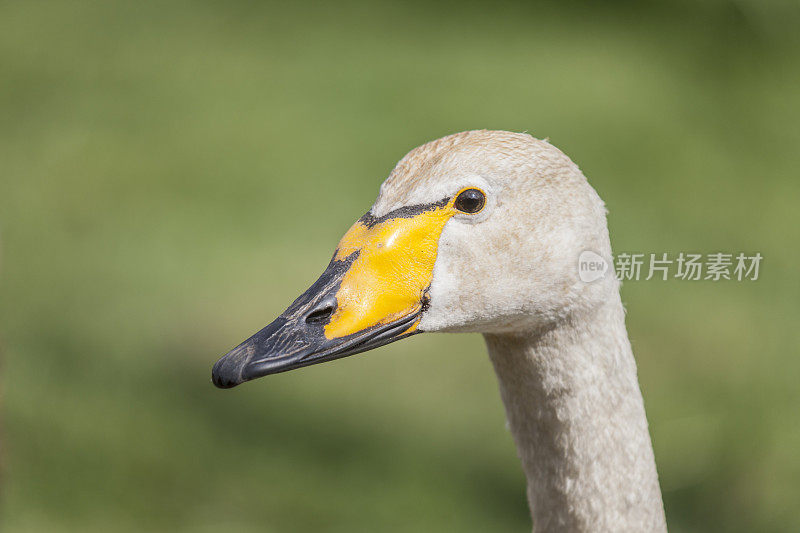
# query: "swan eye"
{"points": [[470, 201]]}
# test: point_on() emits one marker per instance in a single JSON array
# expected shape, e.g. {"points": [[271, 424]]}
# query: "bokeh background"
{"points": [[173, 174]]}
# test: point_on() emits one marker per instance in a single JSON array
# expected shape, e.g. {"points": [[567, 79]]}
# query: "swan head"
{"points": [[480, 231]]}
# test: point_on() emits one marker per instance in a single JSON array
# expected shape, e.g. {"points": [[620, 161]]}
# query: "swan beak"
{"points": [[373, 292]]}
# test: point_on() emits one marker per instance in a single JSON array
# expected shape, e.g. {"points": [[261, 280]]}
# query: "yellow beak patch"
{"points": [[393, 269]]}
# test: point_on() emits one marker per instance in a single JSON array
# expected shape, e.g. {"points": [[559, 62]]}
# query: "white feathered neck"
{"points": [[576, 413]]}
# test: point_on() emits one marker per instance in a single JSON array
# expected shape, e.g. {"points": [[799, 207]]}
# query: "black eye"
{"points": [[470, 201]]}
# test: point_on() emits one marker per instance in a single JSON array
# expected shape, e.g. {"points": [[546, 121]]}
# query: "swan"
{"points": [[481, 231]]}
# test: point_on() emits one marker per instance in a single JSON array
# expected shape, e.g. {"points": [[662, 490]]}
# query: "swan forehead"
{"points": [[442, 167]]}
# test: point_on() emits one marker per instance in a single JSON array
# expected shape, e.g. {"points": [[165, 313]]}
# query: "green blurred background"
{"points": [[173, 174]]}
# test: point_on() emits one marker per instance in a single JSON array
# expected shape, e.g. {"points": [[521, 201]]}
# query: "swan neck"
{"points": [[577, 416]]}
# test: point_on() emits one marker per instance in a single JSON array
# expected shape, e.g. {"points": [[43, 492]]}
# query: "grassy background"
{"points": [[173, 174]]}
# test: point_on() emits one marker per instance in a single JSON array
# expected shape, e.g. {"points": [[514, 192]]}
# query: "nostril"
{"points": [[319, 315], [322, 312]]}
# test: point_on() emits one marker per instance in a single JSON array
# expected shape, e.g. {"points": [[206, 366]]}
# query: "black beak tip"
{"points": [[223, 383], [227, 373]]}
